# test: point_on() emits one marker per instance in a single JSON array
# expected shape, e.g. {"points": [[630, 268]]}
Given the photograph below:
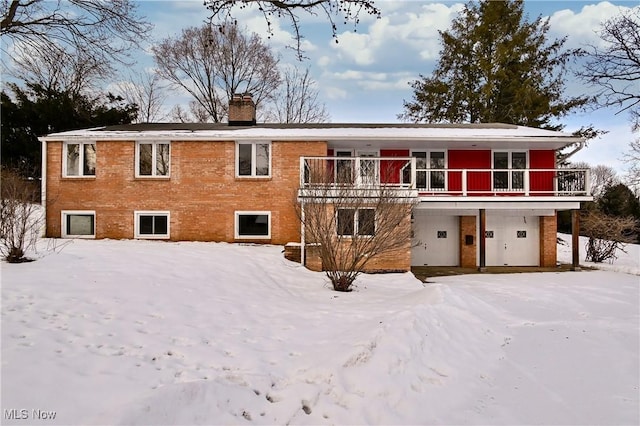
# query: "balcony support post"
{"points": [[575, 240], [413, 173], [483, 243], [587, 182], [302, 233]]}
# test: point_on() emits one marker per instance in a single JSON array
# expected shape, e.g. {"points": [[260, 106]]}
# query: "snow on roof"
{"points": [[331, 132]]}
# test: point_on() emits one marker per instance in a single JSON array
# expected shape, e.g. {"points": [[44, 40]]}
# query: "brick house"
{"points": [[488, 194]]}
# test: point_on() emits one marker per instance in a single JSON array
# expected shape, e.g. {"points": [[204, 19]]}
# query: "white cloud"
{"points": [[359, 48], [359, 75], [324, 61], [400, 83], [334, 93], [407, 29], [582, 27]]}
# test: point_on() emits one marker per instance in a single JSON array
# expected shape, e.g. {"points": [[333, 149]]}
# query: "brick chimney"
{"points": [[242, 110]]}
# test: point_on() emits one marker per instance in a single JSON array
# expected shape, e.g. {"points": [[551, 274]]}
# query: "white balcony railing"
{"points": [[401, 172]]}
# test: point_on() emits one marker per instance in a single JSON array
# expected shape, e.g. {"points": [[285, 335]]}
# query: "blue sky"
{"points": [[365, 77]]}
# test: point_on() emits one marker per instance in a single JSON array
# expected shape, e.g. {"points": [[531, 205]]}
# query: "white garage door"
{"points": [[436, 240], [513, 241]]}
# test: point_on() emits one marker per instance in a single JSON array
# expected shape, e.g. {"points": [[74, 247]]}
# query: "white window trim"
{"points": [[429, 169], [509, 158], [80, 174], [356, 225], [63, 223], [509, 168], [154, 153], [239, 213], [253, 159], [136, 224]]}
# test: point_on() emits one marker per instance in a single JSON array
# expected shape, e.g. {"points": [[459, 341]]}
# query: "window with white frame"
{"points": [[253, 159], [253, 225], [508, 170], [78, 224], [352, 222], [79, 159], [152, 224], [153, 159], [429, 170], [427, 165]]}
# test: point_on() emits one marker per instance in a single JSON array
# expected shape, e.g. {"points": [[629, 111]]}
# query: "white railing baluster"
{"points": [[365, 172], [464, 182]]}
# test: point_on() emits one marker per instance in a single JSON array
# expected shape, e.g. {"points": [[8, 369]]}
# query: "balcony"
{"points": [[401, 173]]}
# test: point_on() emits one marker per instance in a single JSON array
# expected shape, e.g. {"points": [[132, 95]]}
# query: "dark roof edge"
{"points": [[194, 127]]}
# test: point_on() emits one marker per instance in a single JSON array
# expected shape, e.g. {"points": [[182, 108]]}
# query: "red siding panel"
{"points": [[470, 159], [541, 181], [390, 170]]}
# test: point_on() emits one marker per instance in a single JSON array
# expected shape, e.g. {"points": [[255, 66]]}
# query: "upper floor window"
{"points": [[508, 170], [153, 159], [79, 159], [427, 164], [253, 159]]}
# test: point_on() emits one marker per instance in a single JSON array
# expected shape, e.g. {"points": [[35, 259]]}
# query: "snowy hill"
{"points": [[136, 332]]}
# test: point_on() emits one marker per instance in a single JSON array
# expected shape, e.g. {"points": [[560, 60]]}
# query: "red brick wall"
{"points": [[468, 252], [202, 193], [548, 241]]}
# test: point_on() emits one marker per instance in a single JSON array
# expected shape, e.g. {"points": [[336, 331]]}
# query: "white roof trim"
{"points": [[389, 133]]}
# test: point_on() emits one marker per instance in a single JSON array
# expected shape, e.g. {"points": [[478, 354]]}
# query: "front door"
{"points": [[367, 169], [436, 240]]}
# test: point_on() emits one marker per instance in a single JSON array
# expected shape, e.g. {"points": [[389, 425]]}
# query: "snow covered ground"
{"points": [[138, 332]]}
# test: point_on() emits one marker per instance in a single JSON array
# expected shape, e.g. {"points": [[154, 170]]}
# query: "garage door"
{"points": [[436, 240], [513, 241]]}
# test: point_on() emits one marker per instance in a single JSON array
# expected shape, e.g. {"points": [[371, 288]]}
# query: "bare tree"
{"points": [[351, 224], [56, 70], [146, 91], [335, 11], [213, 65], [632, 157], [195, 113], [616, 67], [20, 216], [105, 30], [607, 234], [297, 100], [179, 114]]}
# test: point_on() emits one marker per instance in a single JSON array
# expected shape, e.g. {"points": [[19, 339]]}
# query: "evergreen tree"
{"points": [[495, 66], [619, 200], [35, 111]]}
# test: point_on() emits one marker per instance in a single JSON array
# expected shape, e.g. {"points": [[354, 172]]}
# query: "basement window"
{"points": [[153, 159], [79, 159], [352, 222], [78, 224], [152, 224], [253, 225]]}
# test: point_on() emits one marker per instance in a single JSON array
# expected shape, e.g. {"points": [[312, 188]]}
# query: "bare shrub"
{"points": [[352, 221], [20, 216], [607, 235]]}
